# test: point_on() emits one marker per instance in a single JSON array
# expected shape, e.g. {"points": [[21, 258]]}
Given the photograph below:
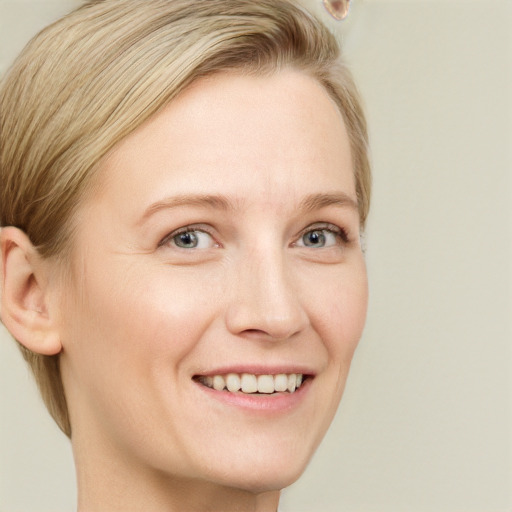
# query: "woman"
{"points": [[183, 187]]}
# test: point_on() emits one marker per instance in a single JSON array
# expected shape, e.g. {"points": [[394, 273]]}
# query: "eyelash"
{"points": [[187, 229], [340, 233], [337, 231]]}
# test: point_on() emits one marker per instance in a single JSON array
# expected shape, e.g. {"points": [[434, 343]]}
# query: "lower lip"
{"points": [[272, 403]]}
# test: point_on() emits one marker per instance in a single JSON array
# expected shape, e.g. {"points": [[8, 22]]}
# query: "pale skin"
{"points": [[269, 278]]}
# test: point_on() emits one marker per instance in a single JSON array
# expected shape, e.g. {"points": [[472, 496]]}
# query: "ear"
{"points": [[25, 294]]}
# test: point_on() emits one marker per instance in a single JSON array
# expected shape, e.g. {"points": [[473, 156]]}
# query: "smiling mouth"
{"points": [[252, 384]]}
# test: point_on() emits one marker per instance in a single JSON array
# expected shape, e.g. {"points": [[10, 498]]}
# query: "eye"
{"points": [[190, 238], [321, 237], [318, 238]]}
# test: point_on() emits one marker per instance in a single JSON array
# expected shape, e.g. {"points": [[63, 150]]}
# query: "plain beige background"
{"points": [[426, 421]]}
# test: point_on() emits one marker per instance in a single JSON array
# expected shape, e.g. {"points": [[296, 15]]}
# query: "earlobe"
{"points": [[24, 304]]}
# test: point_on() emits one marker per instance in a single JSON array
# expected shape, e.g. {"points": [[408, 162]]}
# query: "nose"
{"points": [[264, 299]]}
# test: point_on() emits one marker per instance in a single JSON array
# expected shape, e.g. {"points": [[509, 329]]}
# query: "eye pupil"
{"points": [[314, 238], [186, 240]]}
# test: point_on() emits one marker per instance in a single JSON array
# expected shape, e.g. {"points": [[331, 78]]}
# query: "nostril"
{"points": [[254, 332], [270, 335]]}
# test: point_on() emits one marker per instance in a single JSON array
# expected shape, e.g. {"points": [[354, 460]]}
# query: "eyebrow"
{"points": [[318, 201], [214, 202], [219, 202]]}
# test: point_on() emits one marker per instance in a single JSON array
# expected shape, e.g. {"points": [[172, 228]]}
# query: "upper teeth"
{"points": [[249, 383]]}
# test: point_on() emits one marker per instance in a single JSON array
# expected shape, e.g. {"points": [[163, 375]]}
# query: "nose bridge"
{"points": [[264, 297]]}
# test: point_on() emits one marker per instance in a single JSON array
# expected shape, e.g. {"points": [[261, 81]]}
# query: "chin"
{"points": [[265, 473], [266, 481]]}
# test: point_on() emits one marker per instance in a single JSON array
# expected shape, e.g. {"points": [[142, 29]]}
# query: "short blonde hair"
{"points": [[87, 81]]}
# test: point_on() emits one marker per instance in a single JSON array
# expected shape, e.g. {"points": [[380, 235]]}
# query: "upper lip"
{"points": [[256, 369]]}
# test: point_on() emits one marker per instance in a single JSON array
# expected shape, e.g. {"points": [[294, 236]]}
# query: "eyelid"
{"points": [[339, 231], [203, 228]]}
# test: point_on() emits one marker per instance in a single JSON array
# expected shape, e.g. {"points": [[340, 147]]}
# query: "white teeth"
{"points": [[249, 383], [219, 383], [292, 382], [281, 382], [233, 382], [266, 384]]}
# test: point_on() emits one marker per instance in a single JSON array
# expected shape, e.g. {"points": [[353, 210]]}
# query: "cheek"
{"points": [[337, 313], [133, 320], [127, 338], [340, 314], [351, 311], [342, 308]]}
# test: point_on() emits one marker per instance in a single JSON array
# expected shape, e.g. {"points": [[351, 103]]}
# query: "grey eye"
{"points": [[193, 239], [186, 240], [318, 237], [314, 238]]}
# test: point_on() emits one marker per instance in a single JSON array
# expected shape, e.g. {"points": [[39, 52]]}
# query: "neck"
{"points": [[173, 497]]}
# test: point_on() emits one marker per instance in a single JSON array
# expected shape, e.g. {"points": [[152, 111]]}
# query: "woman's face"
{"points": [[221, 248]]}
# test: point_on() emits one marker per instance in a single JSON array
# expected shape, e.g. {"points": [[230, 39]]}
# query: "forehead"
{"points": [[237, 134]]}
